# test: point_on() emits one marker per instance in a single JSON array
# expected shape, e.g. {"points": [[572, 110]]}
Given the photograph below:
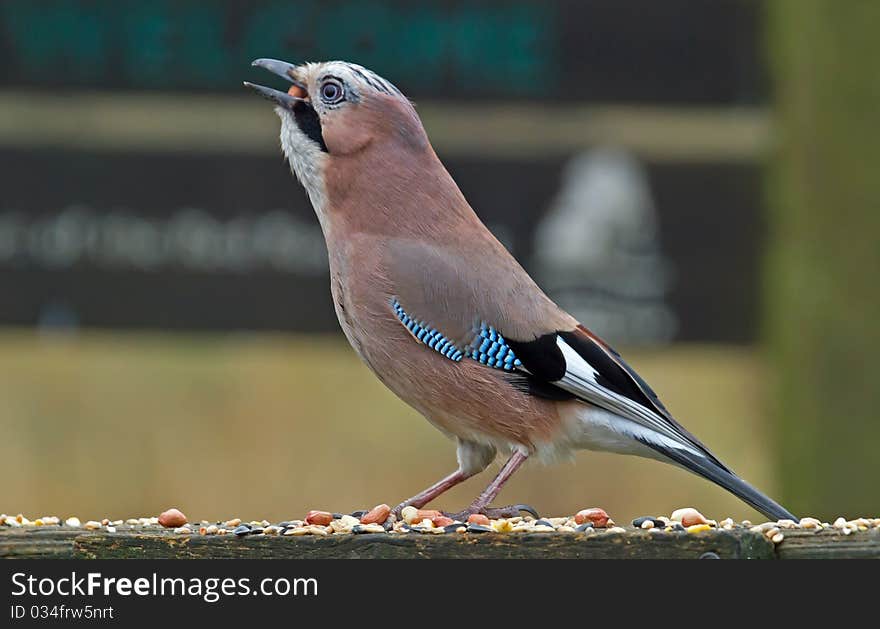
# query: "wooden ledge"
{"points": [[138, 543]]}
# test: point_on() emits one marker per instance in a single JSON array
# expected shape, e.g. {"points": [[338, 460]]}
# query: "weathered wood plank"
{"points": [[139, 543], [60, 542], [53, 543], [829, 544]]}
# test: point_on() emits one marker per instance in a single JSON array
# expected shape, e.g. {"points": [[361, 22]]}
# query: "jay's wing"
{"points": [[579, 362], [483, 306], [486, 307]]}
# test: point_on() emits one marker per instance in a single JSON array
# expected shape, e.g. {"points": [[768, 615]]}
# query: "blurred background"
{"points": [[696, 181]]}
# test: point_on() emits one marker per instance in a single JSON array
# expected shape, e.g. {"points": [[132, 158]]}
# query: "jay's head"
{"points": [[335, 112]]}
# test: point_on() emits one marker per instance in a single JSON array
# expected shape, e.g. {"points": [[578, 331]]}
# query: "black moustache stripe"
{"points": [[308, 122]]}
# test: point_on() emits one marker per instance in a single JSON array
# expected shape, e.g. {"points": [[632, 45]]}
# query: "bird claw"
{"points": [[528, 509], [494, 513]]}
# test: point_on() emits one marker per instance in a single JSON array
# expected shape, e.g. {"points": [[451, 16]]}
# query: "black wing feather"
{"points": [[545, 361]]}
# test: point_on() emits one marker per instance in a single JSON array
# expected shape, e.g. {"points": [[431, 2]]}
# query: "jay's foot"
{"points": [[494, 513]]}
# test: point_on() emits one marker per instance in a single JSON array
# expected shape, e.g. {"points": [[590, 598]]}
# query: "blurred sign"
{"points": [[598, 249], [638, 50], [230, 241]]}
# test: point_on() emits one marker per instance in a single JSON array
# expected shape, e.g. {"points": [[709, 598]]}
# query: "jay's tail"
{"points": [[723, 477]]}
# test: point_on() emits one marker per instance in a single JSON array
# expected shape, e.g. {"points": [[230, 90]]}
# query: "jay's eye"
{"points": [[331, 92]]}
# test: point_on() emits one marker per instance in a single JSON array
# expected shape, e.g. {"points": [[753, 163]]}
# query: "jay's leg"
{"points": [[481, 504], [422, 498], [473, 458]]}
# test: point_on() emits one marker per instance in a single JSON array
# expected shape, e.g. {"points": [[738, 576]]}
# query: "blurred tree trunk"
{"points": [[823, 269]]}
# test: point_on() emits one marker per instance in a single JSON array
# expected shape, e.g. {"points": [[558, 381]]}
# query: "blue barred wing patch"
{"points": [[426, 334], [488, 347]]}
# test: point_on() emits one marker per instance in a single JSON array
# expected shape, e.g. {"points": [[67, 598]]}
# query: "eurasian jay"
{"points": [[443, 314]]}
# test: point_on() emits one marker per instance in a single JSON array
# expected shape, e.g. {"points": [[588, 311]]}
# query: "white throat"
{"points": [[307, 162]]}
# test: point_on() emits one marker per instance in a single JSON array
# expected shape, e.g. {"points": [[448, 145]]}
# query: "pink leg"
{"points": [[481, 504], [494, 488], [422, 498]]}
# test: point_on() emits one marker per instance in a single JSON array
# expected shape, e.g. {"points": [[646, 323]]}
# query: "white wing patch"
{"points": [[580, 379]]}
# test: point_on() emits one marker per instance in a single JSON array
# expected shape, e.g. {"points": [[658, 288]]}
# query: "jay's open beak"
{"points": [[296, 94]]}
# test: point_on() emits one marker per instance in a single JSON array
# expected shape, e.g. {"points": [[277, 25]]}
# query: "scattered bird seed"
{"points": [[442, 521], [172, 518], [501, 526], [597, 516], [410, 514], [298, 530], [344, 524], [637, 523], [321, 518], [376, 515], [689, 516], [433, 522], [479, 519]]}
